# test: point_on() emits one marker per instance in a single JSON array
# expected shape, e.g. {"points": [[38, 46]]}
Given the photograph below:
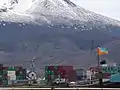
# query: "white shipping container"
{"points": [[11, 75]]}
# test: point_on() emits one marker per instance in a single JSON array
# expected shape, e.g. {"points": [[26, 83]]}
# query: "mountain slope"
{"points": [[55, 31], [49, 45], [54, 12]]}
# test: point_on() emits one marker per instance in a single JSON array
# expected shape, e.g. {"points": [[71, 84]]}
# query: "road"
{"points": [[60, 89]]}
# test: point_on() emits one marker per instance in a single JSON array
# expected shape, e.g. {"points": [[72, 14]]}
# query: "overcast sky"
{"points": [[110, 8]]}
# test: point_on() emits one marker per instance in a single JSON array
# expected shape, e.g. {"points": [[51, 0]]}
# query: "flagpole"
{"points": [[99, 71], [98, 58]]}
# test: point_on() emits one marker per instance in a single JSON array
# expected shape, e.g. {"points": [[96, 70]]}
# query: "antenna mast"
{"points": [[33, 64]]}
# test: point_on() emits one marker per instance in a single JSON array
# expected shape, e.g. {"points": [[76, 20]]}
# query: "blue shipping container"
{"points": [[115, 78]]}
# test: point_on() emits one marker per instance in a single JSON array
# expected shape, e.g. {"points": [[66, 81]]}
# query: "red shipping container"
{"points": [[68, 72], [1, 68], [71, 75], [55, 73], [5, 68], [51, 68], [66, 68], [60, 68]]}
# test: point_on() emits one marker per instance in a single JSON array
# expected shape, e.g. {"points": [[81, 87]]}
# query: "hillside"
{"points": [[51, 45], [55, 32]]}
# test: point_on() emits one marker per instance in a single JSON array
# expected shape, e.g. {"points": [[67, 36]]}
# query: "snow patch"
{"points": [[22, 6], [51, 12]]}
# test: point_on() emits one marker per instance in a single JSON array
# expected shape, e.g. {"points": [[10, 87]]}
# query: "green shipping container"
{"points": [[1, 72], [4, 71], [11, 68], [5, 82], [20, 77]]}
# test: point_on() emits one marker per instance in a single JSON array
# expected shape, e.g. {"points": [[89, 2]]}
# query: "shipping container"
{"points": [[20, 77], [5, 68], [5, 75], [53, 72], [71, 76], [11, 75], [8, 74], [115, 78], [21, 72], [1, 72], [5, 83], [11, 68], [80, 74]]}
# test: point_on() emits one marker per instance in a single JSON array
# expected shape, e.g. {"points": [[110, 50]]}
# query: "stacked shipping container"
{"points": [[1, 74], [66, 72], [20, 73], [9, 74]]}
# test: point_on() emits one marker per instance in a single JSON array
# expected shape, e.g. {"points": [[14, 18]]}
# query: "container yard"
{"points": [[10, 75], [58, 76]]}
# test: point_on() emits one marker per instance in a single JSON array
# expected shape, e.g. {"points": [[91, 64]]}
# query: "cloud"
{"points": [[108, 8]]}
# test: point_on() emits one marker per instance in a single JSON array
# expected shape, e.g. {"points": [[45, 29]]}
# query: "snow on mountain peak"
{"points": [[49, 12]]}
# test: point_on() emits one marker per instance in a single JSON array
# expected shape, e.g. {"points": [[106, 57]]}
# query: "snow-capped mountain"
{"points": [[7, 4], [51, 12], [23, 34]]}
